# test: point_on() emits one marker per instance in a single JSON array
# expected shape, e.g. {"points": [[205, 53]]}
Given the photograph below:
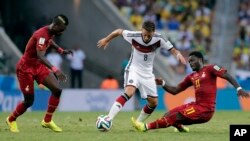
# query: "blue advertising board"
{"points": [[10, 98]]}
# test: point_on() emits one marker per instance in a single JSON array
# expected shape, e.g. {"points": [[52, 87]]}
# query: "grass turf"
{"points": [[80, 126]]}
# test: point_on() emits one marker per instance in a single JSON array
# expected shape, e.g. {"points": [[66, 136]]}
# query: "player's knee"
{"points": [[28, 102], [153, 103], [57, 92]]}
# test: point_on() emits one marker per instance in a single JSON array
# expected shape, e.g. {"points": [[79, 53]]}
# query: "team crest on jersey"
{"points": [[203, 74], [131, 81], [27, 88]]}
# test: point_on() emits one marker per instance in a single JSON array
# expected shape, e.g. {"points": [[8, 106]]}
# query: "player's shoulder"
{"points": [[130, 33], [213, 67], [190, 75], [209, 65], [157, 34], [42, 31]]}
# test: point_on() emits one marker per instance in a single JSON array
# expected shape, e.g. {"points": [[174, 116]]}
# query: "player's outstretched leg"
{"points": [[139, 126], [163, 122], [12, 125]]}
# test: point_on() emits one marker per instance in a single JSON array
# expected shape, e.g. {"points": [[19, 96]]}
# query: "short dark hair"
{"points": [[149, 26], [61, 19], [197, 54]]}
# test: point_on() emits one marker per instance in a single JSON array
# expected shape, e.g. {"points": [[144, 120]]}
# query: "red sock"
{"points": [[52, 105], [122, 99], [20, 109], [148, 109], [164, 122], [159, 123]]}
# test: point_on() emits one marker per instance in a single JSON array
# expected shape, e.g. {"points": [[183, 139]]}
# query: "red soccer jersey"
{"points": [[204, 82], [39, 40]]}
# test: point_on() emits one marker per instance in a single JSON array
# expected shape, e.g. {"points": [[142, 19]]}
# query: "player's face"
{"points": [[146, 35], [195, 62], [58, 29]]}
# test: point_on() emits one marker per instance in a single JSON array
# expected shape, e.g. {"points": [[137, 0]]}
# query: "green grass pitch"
{"points": [[80, 126]]}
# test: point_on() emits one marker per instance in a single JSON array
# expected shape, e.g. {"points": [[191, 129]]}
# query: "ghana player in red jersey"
{"points": [[33, 65], [204, 81]]}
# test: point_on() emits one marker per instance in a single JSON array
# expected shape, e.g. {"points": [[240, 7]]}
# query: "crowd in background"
{"points": [[187, 23], [242, 42]]}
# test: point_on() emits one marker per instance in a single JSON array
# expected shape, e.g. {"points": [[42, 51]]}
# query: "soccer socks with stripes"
{"points": [[145, 113], [52, 105], [117, 106], [163, 122], [20, 109], [160, 123]]}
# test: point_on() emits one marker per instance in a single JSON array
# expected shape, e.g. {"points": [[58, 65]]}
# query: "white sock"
{"points": [[143, 116], [114, 110]]}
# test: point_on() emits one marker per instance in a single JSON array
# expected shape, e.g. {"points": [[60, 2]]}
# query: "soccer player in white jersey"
{"points": [[139, 70]]}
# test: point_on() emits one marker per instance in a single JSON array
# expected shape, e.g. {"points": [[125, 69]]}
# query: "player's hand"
{"points": [[61, 76], [68, 51], [243, 94], [102, 43], [158, 81], [181, 59]]}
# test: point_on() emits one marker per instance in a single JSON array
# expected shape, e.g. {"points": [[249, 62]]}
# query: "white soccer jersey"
{"points": [[143, 54]]}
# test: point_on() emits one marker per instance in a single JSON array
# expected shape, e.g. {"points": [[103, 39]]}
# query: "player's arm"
{"points": [[59, 74], [236, 85], [171, 89], [105, 41], [178, 55], [59, 49], [174, 90], [41, 56], [41, 50]]}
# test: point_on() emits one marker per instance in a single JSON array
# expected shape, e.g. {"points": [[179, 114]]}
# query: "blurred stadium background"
{"points": [[218, 28]]}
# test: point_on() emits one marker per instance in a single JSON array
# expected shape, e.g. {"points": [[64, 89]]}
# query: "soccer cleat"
{"points": [[181, 129], [12, 125], [139, 126], [51, 125]]}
